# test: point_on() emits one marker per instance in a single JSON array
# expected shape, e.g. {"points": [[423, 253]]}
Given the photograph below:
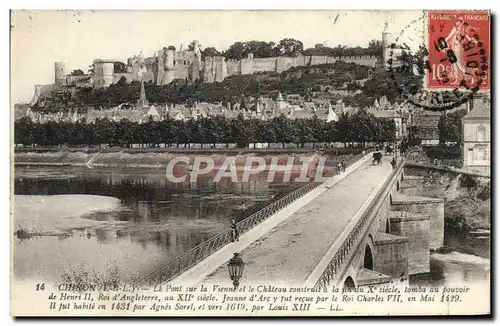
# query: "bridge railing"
{"points": [[187, 260], [341, 260]]}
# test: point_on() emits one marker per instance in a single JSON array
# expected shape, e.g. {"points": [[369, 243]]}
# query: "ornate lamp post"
{"points": [[236, 266]]}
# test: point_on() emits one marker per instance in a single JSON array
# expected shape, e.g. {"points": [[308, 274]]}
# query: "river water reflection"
{"points": [[159, 219]]}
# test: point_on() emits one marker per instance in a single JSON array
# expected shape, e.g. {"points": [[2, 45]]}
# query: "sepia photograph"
{"points": [[252, 163]]}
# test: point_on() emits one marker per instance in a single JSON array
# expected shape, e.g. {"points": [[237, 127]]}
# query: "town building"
{"points": [[476, 131], [426, 126]]}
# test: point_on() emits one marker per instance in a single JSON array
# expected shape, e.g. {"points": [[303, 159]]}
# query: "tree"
{"points": [[237, 51], [119, 67], [192, 45], [77, 72], [450, 126], [210, 52], [375, 48], [342, 128], [23, 131], [171, 47], [261, 49], [289, 47], [387, 131]]}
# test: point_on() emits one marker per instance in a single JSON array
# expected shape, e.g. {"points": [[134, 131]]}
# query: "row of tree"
{"points": [[290, 47], [360, 128]]}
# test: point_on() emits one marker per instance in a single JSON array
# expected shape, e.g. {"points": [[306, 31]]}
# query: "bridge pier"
{"points": [[433, 207], [415, 228], [391, 255]]}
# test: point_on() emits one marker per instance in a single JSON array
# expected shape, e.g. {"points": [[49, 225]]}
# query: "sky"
{"points": [[40, 38]]}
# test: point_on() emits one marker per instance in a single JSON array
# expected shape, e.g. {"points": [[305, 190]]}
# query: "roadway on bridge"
{"points": [[289, 252]]}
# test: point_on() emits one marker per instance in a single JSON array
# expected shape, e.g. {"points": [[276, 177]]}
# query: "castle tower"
{"points": [[386, 43], [169, 66], [103, 73], [60, 74], [142, 101], [108, 71]]}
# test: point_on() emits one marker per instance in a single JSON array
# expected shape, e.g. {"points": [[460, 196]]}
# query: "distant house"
{"points": [[327, 114], [476, 128], [426, 123], [180, 112], [150, 112]]}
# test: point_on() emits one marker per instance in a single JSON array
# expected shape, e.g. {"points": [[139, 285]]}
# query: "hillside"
{"points": [[319, 81]]}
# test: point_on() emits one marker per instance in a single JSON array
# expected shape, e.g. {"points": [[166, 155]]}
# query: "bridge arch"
{"points": [[349, 284], [368, 258]]}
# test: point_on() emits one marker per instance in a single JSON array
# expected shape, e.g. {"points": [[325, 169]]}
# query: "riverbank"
{"points": [[467, 205], [55, 215], [159, 158]]}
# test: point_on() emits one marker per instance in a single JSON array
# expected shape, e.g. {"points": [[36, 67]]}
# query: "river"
{"points": [[157, 221]]}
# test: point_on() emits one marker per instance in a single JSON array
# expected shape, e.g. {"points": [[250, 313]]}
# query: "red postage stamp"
{"points": [[458, 43]]}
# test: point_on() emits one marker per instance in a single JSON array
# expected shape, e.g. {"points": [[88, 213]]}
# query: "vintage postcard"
{"points": [[250, 163]]}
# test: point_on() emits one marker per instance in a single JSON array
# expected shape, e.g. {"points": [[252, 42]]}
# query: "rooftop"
{"points": [[386, 114], [480, 111]]}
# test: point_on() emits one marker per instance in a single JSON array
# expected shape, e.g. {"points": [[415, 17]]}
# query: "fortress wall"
{"points": [[208, 76], [150, 74], [285, 63], [264, 64], [318, 59], [366, 60], [180, 71], [220, 69], [194, 70], [300, 61], [246, 66], [233, 67], [332, 59]]}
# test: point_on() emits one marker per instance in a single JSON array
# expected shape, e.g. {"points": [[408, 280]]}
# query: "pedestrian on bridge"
{"points": [[339, 167], [393, 162], [234, 231]]}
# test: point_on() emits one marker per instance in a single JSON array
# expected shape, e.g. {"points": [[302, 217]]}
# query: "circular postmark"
{"points": [[444, 68]]}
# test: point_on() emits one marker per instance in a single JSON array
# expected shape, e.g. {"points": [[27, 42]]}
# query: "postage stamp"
{"points": [[459, 49], [250, 163], [450, 56]]}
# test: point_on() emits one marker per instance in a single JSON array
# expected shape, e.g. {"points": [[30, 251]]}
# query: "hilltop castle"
{"points": [[168, 64]]}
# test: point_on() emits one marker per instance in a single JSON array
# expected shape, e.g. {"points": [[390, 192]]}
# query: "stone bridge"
{"points": [[363, 227]]}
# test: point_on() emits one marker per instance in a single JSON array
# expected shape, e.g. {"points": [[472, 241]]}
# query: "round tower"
{"points": [[103, 73], [386, 36], [169, 66], [60, 73]]}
